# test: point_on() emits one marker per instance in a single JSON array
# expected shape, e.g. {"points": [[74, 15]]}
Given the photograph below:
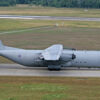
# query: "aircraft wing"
{"points": [[53, 53]]}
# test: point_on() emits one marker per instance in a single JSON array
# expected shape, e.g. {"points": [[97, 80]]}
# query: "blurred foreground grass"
{"points": [[49, 88]]}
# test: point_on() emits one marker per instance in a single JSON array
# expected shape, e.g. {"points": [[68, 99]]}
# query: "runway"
{"points": [[49, 18], [18, 70]]}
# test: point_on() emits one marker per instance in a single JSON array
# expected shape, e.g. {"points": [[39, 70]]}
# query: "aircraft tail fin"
{"points": [[4, 47], [1, 45]]}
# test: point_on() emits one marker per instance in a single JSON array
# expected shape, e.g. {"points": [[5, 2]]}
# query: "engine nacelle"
{"points": [[67, 57]]}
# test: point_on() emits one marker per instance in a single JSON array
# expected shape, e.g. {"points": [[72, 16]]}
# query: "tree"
{"points": [[7, 2]]}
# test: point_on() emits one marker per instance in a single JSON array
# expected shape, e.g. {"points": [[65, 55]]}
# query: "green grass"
{"points": [[16, 24], [49, 11], [49, 88]]}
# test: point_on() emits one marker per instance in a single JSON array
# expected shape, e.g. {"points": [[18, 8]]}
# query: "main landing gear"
{"points": [[54, 67]]}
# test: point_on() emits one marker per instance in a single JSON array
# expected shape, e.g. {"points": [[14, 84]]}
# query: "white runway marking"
{"points": [[35, 28], [18, 70], [49, 18]]}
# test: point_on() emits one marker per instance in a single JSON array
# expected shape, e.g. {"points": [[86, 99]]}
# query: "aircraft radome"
{"points": [[54, 57]]}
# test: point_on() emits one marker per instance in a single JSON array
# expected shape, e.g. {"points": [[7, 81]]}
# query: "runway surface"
{"points": [[18, 70], [49, 18]]}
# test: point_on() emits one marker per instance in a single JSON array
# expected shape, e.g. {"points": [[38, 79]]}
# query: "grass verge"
{"points": [[49, 88], [16, 24], [49, 11]]}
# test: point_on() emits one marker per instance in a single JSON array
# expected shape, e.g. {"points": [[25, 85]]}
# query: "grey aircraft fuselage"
{"points": [[33, 58]]}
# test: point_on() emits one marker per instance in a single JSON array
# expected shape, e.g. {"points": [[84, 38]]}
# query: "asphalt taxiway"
{"points": [[49, 18], [18, 70]]}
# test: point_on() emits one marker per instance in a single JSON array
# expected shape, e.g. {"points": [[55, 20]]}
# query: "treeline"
{"points": [[7, 2], [66, 3], [55, 3]]}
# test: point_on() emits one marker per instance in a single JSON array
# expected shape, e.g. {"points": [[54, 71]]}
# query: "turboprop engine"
{"points": [[67, 57]]}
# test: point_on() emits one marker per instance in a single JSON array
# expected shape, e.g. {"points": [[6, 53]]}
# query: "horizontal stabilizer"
{"points": [[53, 53]]}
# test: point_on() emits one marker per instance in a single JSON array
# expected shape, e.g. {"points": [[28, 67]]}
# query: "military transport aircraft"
{"points": [[54, 57]]}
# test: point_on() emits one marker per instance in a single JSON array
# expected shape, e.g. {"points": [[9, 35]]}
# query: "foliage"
{"points": [[64, 3], [55, 3], [7, 2]]}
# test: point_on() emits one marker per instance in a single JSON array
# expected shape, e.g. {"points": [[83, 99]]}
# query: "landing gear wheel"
{"points": [[54, 68]]}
